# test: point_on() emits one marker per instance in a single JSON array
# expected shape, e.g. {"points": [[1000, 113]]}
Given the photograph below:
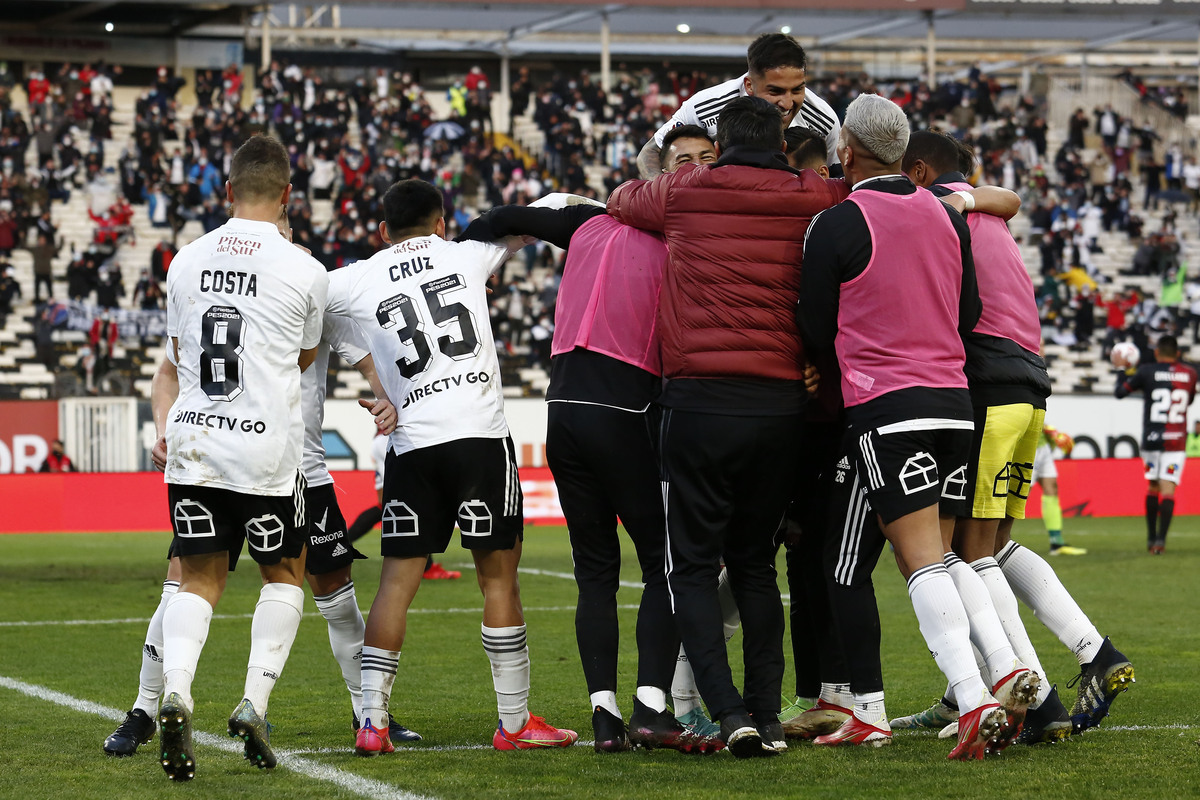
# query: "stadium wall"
{"points": [[1103, 427], [111, 502], [136, 501], [107, 502]]}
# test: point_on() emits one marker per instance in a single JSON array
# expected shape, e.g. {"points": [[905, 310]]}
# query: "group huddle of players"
{"points": [[694, 361]]}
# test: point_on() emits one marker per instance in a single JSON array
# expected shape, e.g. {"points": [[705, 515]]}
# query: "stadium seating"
{"points": [[1073, 369]]}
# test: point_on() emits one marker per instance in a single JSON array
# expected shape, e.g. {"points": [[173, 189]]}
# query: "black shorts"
{"points": [[471, 482], [329, 549], [208, 520], [910, 465], [234, 554], [854, 542]]}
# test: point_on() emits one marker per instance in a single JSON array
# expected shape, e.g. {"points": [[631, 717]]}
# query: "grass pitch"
{"points": [[73, 611]]}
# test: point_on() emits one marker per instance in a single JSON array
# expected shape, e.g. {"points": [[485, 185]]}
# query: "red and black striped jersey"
{"points": [[1167, 390]]}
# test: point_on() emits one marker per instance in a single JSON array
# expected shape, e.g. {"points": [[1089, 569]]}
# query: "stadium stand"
{"points": [[570, 136]]}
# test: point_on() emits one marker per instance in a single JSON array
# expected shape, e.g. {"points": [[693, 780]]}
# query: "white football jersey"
{"points": [[423, 305], [704, 107], [379, 447], [242, 303], [340, 334]]}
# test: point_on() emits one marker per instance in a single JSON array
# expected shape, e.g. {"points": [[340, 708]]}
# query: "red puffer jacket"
{"points": [[736, 236]]}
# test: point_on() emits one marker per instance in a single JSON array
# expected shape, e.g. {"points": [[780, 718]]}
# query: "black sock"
{"points": [[366, 520], [1151, 516], [1166, 508]]}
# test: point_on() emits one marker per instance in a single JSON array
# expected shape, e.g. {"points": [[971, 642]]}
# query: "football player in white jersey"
{"points": [[244, 313], [329, 554], [777, 72], [422, 303]]}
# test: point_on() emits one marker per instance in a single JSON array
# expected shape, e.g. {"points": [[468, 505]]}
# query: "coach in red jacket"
{"points": [[731, 425]]}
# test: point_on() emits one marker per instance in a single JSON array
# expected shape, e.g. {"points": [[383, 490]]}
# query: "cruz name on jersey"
{"points": [[422, 304]]}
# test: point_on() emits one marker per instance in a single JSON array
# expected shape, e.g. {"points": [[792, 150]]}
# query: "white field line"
{"points": [[450, 748], [363, 787], [130, 620], [568, 576], [564, 575], [1177, 726]]}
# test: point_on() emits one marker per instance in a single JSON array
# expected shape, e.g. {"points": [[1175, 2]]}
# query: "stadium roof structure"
{"points": [[999, 33]]}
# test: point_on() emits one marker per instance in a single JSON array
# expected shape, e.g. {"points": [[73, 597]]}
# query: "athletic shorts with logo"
{"points": [[1000, 468], [209, 520], [1164, 465], [913, 464], [329, 548], [854, 542], [471, 482]]}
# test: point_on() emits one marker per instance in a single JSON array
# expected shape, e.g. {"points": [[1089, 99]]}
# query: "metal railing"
{"points": [[1093, 92]]}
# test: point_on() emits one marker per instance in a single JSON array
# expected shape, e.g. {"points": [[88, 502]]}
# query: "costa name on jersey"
{"points": [[241, 302], [422, 304]]}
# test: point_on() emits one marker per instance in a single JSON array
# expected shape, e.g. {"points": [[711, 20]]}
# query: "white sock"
{"points": [[346, 629], [869, 708], [150, 680], [731, 620], [185, 629], [378, 675], [1037, 585], [837, 694], [943, 622], [506, 648], [986, 631], [652, 698], [272, 631], [605, 700], [684, 694], [1005, 603]]}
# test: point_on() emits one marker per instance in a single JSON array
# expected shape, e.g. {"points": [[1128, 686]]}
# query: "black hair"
{"points": [[410, 207], [774, 50], [681, 132], [966, 158], [749, 121], [939, 151], [1168, 345], [805, 148]]}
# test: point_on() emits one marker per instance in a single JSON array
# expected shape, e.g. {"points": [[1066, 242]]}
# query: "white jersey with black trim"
{"points": [[379, 448], [704, 107], [422, 304], [242, 302], [338, 334]]}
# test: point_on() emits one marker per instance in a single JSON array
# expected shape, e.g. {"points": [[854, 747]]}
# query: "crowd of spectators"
{"points": [[1171, 98], [1078, 303], [350, 141]]}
